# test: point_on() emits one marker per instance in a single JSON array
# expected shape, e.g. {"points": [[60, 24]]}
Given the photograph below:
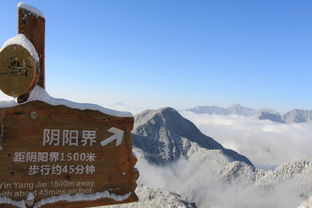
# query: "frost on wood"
{"points": [[39, 94], [32, 9], [7, 103], [5, 200], [30, 197], [81, 197], [21, 40], [66, 197], [1, 129]]}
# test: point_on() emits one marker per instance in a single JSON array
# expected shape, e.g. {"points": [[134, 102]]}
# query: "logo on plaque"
{"points": [[18, 71]]}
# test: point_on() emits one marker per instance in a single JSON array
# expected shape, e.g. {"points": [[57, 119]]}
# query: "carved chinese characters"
{"points": [[65, 157]]}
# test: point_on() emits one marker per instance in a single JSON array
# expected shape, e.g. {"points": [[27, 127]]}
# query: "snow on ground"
{"points": [[81, 197]]}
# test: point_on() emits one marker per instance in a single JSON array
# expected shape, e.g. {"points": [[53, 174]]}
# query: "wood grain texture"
{"points": [[114, 165], [33, 27]]}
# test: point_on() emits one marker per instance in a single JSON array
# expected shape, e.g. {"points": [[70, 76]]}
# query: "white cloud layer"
{"points": [[195, 181], [266, 143]]}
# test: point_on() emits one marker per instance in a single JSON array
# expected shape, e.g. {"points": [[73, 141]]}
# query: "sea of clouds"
{"points": [[267, 144], [196, 182]]}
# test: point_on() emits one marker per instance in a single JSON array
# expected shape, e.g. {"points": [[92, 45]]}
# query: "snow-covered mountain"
{"points": [[154, 198], [298, 116], [210, 110], [241, 110], [180, 166], [197, 171], [294, 116], [297, 172], [165, 136], [268, 114]]}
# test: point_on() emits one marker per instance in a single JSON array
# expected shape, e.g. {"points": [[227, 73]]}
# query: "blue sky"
{"points": [[178, 53]]}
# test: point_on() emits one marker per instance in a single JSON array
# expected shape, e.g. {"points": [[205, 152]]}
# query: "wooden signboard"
{"points": [[57, 155], [65, 157]]}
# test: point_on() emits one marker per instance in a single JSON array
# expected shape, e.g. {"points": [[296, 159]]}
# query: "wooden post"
{"points": [[32, 26]]}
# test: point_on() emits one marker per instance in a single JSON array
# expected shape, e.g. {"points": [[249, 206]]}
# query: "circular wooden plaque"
{"points": [[19, 72]]}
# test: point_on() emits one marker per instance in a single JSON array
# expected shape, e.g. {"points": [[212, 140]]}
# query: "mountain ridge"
{"points": [[293, 116], [165, 136]]}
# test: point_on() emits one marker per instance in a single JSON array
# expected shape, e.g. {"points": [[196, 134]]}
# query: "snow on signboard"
{"points": [[59, 153]]}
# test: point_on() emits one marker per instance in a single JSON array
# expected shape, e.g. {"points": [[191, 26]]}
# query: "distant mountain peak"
{"points": [[268, 114], [241, 110], [236, 106], [298, 116]]}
